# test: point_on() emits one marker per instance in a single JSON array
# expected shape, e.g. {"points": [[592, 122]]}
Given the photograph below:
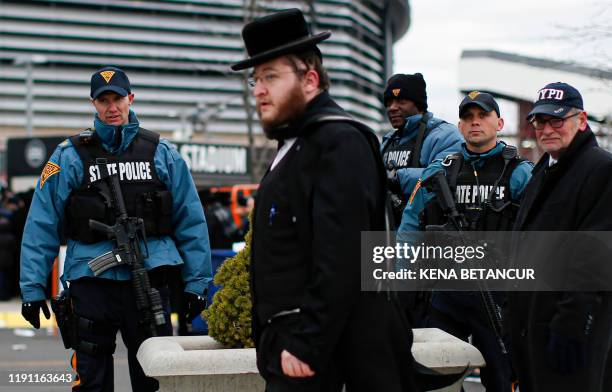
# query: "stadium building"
{"points": [[177, 54]]}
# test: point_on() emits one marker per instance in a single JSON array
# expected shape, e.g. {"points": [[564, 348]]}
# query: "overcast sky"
{"points": [[561, 30]]}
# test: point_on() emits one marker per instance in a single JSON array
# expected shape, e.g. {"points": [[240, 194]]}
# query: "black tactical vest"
{"points": [[397, 153], [485, 208], [144, 194]]}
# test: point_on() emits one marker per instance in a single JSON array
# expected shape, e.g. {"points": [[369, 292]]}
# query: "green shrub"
{"points": [[229, 316]]}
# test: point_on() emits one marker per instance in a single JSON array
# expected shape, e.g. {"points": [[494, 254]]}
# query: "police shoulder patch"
{"points": [[49, 170], [414, 191]]}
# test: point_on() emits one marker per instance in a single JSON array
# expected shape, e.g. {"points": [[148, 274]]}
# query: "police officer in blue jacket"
{"points": [[485, 173], [418, 137], [157, 186]]}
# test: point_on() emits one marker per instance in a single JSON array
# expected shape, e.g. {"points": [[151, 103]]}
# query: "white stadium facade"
{"points": [[177, 54]]}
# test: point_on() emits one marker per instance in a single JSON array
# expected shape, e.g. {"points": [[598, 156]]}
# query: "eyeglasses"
{"points": [[554, 122], [269, 78]]}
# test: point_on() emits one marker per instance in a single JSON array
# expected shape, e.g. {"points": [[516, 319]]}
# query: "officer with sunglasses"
{"points": [[562, 340]]}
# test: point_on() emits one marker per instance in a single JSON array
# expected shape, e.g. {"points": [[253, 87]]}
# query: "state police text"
{"points": [[470, 194], [410, 253], [130, 171]]}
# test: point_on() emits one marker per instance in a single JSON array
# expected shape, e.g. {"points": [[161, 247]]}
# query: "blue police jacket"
{"points": [[420, 197], [443, 139], [64, 173]]}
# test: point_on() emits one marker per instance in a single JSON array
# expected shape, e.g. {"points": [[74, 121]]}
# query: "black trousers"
{"points": [[111, 306], [496, 376]]}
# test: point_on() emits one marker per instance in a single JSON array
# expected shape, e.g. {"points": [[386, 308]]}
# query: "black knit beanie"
{"points": [[407, 86]]}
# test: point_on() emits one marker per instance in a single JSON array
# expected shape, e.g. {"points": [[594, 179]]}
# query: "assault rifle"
{"points": [[438, 184], [126, 234]]}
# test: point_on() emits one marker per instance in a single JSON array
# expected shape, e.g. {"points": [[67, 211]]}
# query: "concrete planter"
{"points": [[199, 363], [445, 354]]}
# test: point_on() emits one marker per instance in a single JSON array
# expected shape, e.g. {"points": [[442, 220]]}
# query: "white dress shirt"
{"points": [[282, 151]]}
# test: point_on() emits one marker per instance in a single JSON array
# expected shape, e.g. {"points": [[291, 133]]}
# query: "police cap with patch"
{"points": [[483, 100], [407, 86], [556, 99], [109, 79]]}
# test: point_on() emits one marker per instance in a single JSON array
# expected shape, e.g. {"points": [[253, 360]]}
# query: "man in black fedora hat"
{"points": [[314, 329]]}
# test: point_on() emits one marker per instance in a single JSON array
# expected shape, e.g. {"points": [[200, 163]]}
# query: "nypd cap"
{"points": [[556, 99]]}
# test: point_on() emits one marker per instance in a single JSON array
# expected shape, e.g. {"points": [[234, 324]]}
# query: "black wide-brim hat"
{"points": [[274, 35]]}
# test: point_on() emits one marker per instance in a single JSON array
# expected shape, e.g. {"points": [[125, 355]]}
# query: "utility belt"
{"points": [[70, 324]]}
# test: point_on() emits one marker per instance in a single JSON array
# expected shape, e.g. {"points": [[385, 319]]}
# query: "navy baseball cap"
{"points": [[484, 100], [109, 79], [556, 99]]}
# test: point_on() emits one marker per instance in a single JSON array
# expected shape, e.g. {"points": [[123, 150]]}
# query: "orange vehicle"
{"points": [[238, 196]]}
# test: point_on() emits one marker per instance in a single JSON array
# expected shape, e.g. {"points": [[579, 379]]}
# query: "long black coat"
{"points": [[309, 213], [573, 195]]}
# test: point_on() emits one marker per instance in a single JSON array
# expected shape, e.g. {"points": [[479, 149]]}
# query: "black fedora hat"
{"points": [[275, 35]]}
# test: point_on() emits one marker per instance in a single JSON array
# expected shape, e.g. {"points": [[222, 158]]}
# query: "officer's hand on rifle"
{"points": [[31, 310], [392, 180], [565, 355], [193, 305]]}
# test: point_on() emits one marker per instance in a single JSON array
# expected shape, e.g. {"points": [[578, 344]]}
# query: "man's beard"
{"points": [[289, 109]]}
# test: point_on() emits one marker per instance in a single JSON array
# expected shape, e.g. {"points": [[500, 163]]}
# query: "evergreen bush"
{"points": [[229, 316]]}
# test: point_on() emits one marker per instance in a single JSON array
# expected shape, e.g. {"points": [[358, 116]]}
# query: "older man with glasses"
{"points": [[562, 340]]}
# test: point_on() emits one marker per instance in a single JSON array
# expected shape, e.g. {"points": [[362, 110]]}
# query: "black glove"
{"points": [[31, 311], [393, 183], [193, 305], [565, 355]]}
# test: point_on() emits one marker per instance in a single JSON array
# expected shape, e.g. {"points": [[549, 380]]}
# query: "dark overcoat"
{"points": [[573, 195], [310, 211]]}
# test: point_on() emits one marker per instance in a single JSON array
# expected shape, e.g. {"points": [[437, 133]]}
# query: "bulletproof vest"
{"points": [[145, 196], [397, 153], [482, 195]]}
